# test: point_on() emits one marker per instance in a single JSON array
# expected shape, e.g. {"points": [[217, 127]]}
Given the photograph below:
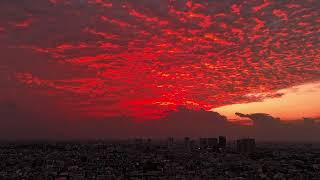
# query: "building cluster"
{"points": [[147, 159], [246, 145]]}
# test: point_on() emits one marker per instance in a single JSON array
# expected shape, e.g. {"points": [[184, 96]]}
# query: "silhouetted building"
{"points": [[203, 143], [246, 146], [222, 141], [212, 142], [170, 142], [187, 144]]}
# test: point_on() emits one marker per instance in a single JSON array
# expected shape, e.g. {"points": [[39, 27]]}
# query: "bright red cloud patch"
{"points": [[113, 58]]}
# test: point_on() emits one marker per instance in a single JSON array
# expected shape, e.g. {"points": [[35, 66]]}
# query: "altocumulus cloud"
{"points": [[140, 59]]}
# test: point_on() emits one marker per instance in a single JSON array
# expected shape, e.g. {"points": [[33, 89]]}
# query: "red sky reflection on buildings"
{"points": [[101, 58]]}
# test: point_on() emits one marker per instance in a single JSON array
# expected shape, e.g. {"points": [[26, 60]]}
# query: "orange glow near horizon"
{"points": [[296, 103]]}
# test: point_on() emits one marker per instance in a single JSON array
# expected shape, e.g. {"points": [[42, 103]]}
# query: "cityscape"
{"points": [[160, 159], [159, 89]]}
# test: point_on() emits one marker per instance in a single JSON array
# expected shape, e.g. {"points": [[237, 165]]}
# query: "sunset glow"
{"points": [[141, 59], [296, 103]]}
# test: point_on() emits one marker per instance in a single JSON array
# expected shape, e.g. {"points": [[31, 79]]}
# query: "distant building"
{"points": [[203, 143], [246, 146], [187, 144], [212, 142], [170, 142], [222, 141]]}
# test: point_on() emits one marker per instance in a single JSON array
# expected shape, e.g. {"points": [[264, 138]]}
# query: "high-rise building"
{"points": [[246, 146], [203, 143], [222, 141], [212, 142]]}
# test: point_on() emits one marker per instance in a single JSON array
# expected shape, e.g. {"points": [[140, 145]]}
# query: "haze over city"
{"points": [[160, 89]]}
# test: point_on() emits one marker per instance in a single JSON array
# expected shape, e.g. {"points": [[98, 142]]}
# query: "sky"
{"points": [[296, 102], [105, 59]]}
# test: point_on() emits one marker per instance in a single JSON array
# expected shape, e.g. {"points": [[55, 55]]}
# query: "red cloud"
{"points": [[106, 58], [261, 6]]}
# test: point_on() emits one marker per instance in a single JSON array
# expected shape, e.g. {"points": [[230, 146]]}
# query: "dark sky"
{"points": [[105, 59]]}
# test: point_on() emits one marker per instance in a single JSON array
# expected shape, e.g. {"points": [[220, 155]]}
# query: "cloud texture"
{"points": [[102, 58]]}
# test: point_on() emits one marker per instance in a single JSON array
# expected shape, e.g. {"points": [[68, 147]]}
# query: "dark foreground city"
{"points": [[204, 158]]}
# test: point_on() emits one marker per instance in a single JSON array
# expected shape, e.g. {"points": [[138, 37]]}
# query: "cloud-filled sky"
{"points": [[111, 58]]}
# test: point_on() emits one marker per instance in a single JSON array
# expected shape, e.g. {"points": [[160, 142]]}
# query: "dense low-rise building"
{"points": [[153, 160]]}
